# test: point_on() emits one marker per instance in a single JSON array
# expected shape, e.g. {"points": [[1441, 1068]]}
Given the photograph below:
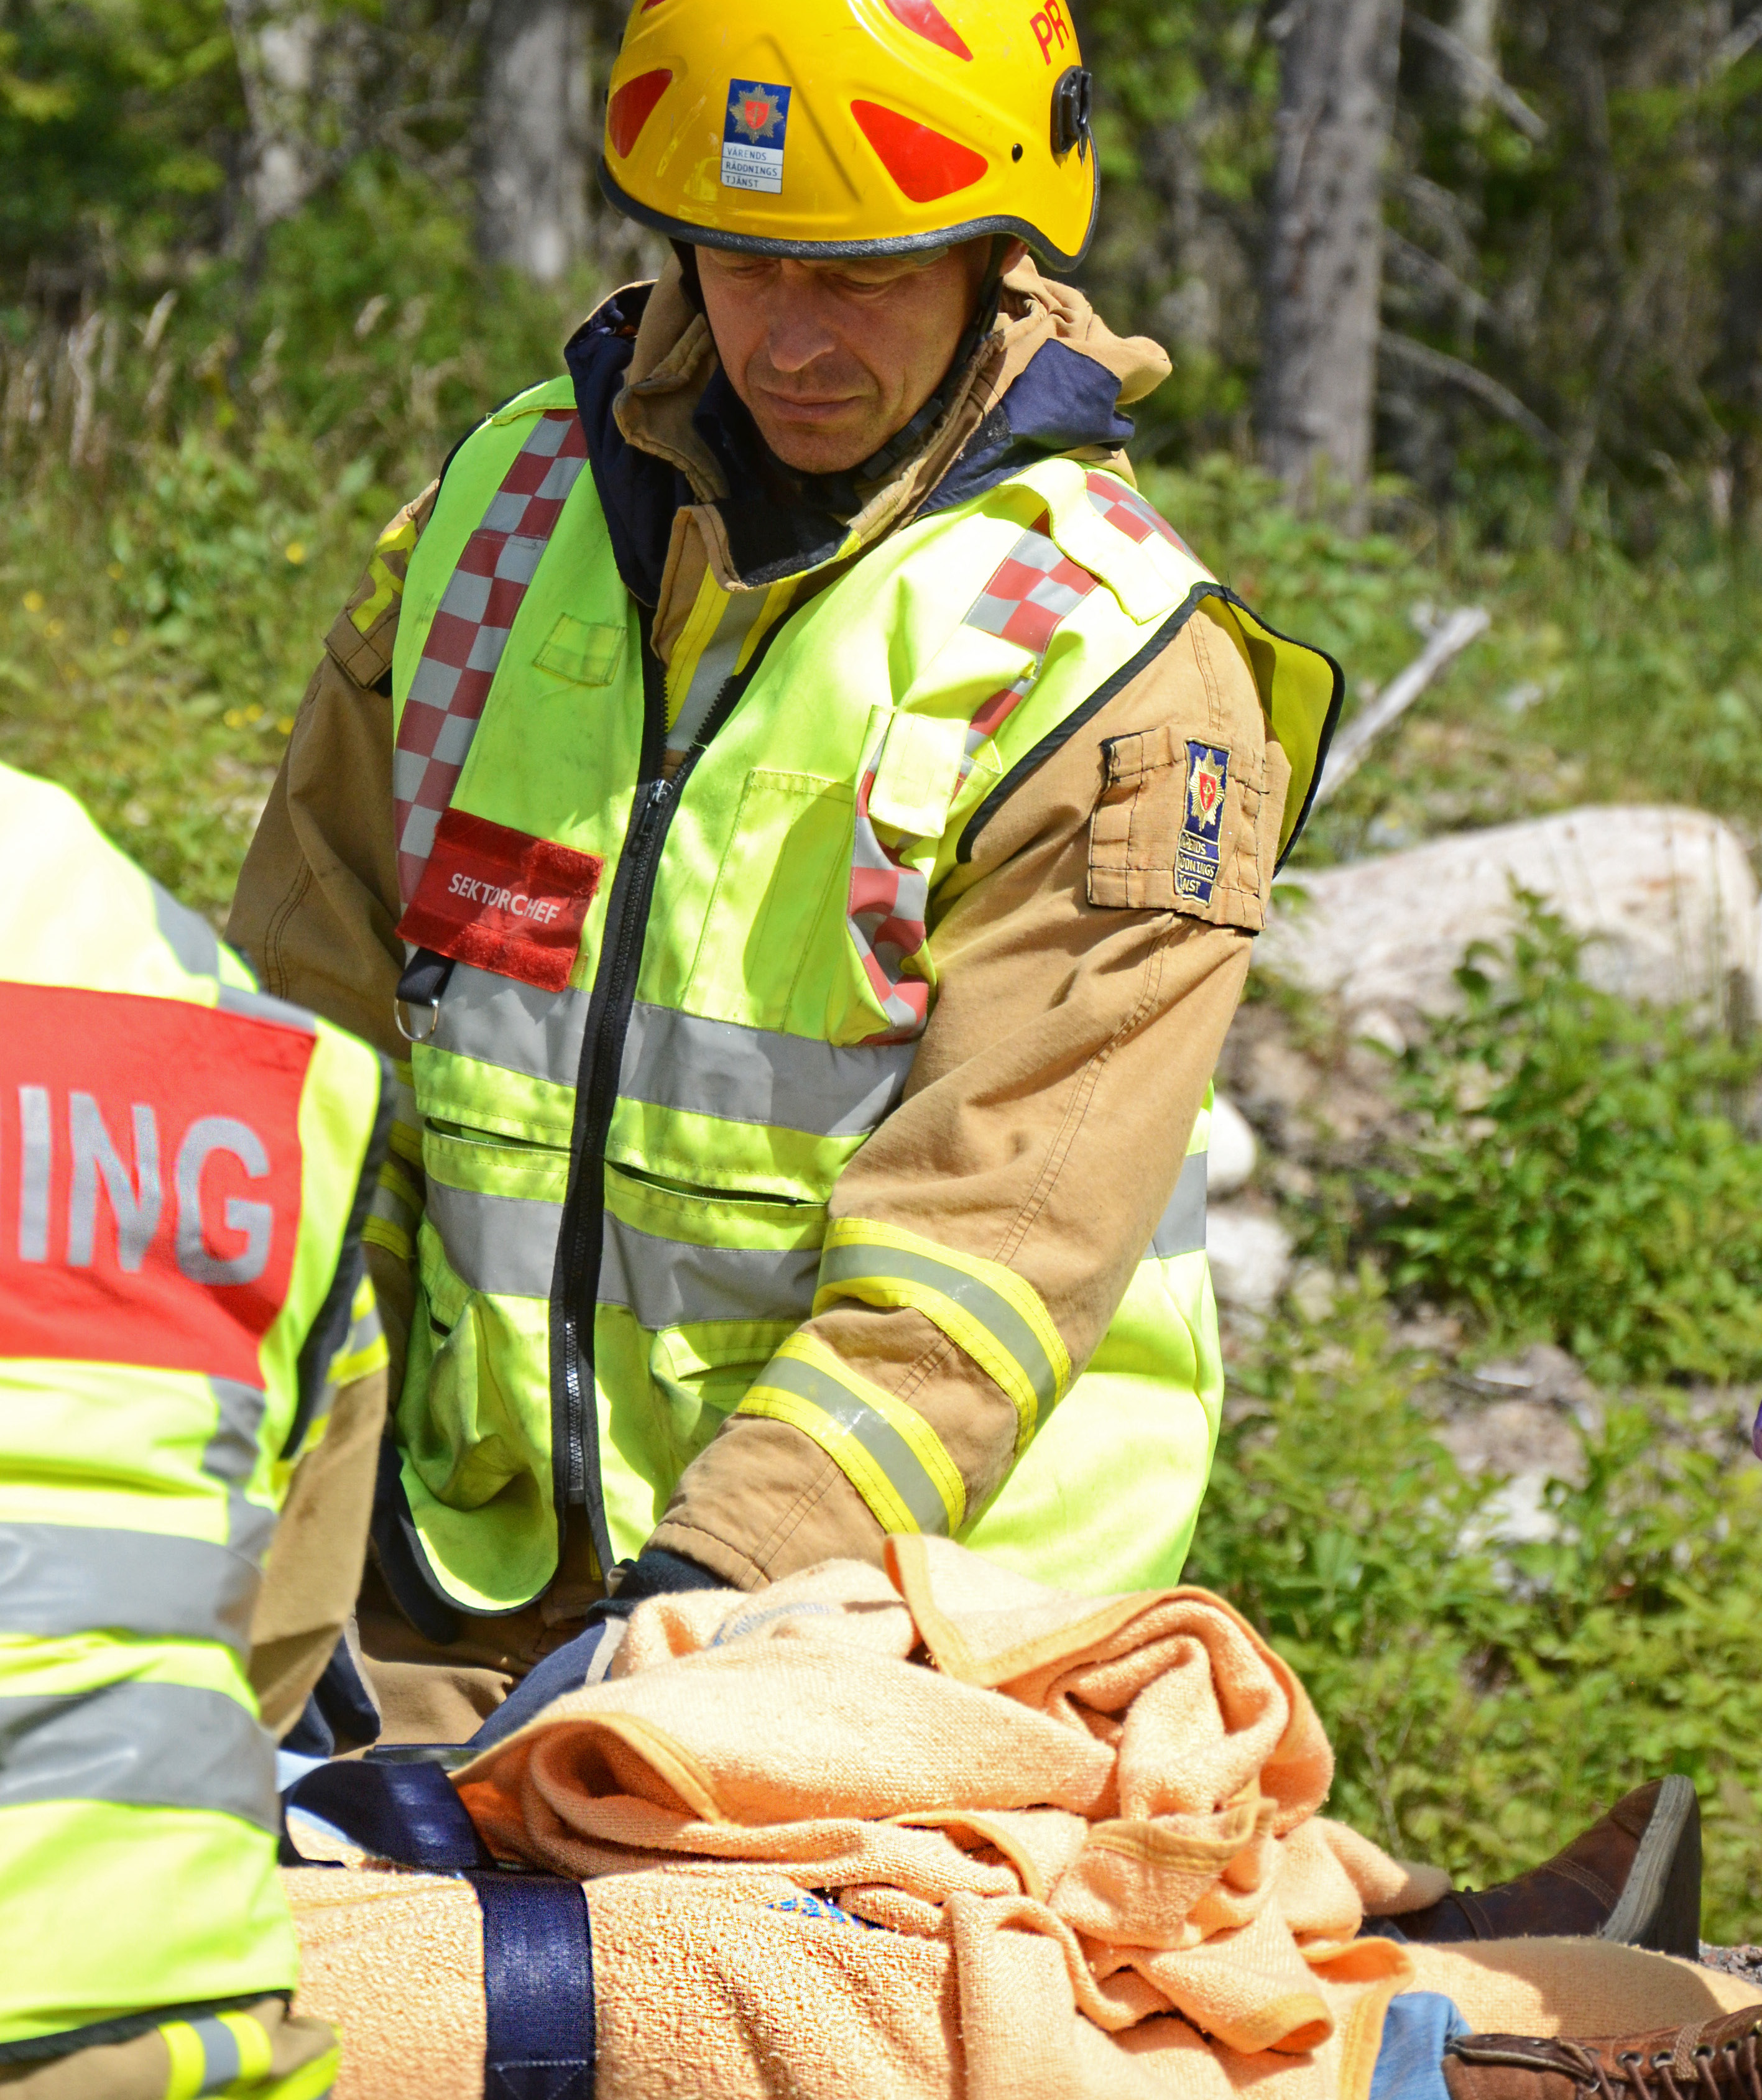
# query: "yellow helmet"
{"points": [[818, 128]]}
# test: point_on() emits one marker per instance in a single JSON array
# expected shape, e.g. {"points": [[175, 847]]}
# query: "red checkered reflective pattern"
{"points": [[1125, 508], [469, 631], [1035, 588]]}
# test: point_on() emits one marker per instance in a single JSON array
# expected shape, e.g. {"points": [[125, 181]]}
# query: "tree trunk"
{"points": [[1476, 29], [278, 45], [1735, 382], [1325, 271], [532, 166]]}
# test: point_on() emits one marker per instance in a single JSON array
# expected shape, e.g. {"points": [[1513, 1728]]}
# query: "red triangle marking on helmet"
{"points": [[631, 108], [924, 164], [923, 17]]}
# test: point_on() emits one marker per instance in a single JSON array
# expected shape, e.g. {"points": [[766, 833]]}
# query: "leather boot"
{"points": [[1713, 2060], [1634, 1876]]}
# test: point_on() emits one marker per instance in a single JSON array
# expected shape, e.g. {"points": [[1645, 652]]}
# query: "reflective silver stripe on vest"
{"points": [[260, 1006], [905, 1473], [759, 1075], [188, 936], [506, 1245], [669, 1283], [57, 1579], [678, 1061], [499, 1021], [1182, 1230], [231, 1456], [993, 1312], [146, 1745]]}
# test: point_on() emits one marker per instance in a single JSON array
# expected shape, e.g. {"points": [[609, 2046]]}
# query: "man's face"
{"points": [[833, 358]]}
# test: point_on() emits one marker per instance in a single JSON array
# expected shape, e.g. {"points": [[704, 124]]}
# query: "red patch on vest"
{"points": [[150, 1180], [501, 900]]}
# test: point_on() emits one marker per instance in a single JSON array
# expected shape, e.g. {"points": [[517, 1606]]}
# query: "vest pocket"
{"points": [[677, 1258], [783, 878]]}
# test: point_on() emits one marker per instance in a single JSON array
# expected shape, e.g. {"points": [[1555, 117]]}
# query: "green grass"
{"points": [[164, 598]]}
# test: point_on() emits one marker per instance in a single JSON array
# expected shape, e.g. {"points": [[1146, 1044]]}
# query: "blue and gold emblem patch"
{"points": [[753, 136], [1196, 858]]}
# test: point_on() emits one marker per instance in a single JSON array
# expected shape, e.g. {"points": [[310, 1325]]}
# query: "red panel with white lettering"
{"points": [[149, 1178], [502, 901]]}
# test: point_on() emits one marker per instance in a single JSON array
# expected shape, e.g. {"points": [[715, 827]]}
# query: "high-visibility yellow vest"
{"points": [[181, 1193], [685, 991]]}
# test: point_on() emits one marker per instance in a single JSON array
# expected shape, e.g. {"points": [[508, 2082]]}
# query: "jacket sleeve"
{"points": [[1079, 1016], [317, 907]]}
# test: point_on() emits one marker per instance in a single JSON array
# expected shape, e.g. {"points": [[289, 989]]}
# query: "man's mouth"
{"points": [[809, 407]]}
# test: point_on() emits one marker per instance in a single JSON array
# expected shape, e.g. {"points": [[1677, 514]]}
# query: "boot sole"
{"points": [[1660, 1907]]}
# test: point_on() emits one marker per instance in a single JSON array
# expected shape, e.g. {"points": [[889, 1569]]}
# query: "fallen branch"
{"points": [[1450, 638]]}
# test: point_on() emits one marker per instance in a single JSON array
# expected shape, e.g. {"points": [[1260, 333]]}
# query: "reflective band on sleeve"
{"points": [[231, 1456], [886, 1451], [395, 1211], [210, 2054], [760, 1075], [506, 1245], [363, 1349], [1182, 1229], [147, 1745], [981, 1306], [671, 1283], [59, 1579], [189, 937]]}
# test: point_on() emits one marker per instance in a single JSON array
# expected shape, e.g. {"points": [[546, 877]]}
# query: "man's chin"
{"points": [[818, 452]]}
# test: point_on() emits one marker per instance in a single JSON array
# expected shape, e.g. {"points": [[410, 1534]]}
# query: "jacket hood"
{"points": [[666, 430]]}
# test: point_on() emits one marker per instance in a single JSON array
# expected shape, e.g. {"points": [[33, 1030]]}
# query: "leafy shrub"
{"points": [[1485, 1702], [1570, 1172]]}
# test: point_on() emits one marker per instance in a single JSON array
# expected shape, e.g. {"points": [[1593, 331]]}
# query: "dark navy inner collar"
{"points": [[780, 523]]}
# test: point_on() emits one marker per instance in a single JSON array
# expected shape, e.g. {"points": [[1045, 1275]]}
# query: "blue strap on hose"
{"points": [[538, 1948]]}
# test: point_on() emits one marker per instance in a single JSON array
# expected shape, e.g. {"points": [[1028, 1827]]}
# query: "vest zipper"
{"points": [[574, 1288]]}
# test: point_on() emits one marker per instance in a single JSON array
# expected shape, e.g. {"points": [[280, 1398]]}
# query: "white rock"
{"points": [[1314, 1290], [1665, 898], [1230, 1161], [1250, 1256]]}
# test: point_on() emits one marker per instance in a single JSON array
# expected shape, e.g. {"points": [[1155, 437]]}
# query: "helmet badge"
{"points": [[754, 136]]}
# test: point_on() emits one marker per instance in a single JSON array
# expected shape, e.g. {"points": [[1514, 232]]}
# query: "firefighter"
{"points": [[188, 1342], [800, 818]]}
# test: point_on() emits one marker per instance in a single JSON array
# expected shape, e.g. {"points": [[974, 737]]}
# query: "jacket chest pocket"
{"points": [[770, 953]]}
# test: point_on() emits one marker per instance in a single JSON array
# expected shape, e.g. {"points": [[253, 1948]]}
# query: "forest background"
{"points": [[1464, 300]]}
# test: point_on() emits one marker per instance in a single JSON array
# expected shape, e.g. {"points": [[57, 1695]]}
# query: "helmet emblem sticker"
{"points": [[753, 136], [1196, 859]]}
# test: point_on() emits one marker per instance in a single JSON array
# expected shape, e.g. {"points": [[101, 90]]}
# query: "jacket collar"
{"points": [[665, 430]]}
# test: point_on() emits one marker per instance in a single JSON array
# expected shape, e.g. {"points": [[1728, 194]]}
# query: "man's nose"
{"points": [[796, 338]]}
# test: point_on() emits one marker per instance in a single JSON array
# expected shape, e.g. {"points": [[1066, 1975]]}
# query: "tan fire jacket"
{"points": [[1079, 1016]]}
